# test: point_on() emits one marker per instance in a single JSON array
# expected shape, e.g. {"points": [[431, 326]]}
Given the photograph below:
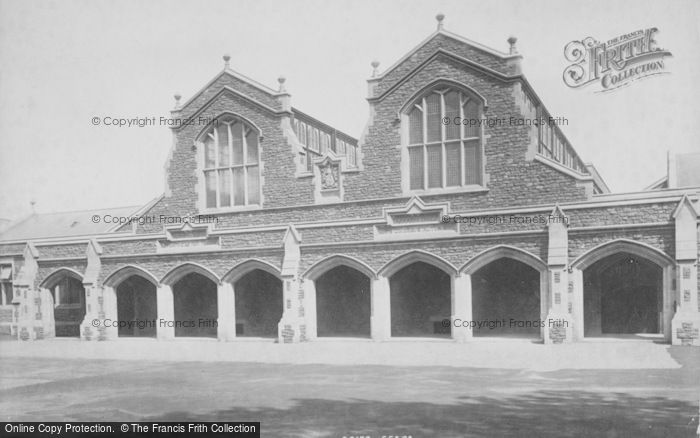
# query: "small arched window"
{"points": [[444, 140], [231, 164]]}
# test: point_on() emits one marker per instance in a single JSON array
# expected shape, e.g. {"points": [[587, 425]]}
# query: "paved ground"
{"points": [[500, 353], [332, 400]]}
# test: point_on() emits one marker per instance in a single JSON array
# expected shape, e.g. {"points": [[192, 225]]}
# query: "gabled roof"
{"points": [[228, 71], [454, 36], [499, 65], [268, 100], [65, 224]]}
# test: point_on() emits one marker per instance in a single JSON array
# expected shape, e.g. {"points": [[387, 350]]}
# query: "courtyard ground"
{"points": [[424, 389]]}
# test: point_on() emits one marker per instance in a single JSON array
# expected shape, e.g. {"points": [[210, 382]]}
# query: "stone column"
{"points": [[292, 326], [92, 327], [461, 308], [110, 312], [26, 314], [685, 326], [226, 305], [380, 320], [575, 302], [165, 330], [27, 309], [309, 290], [557, 323]]}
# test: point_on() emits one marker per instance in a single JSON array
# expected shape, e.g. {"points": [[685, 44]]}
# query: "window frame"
{"points": [[315, 141], [247, 129], [6, 293], [57, 293], [419, 103]]}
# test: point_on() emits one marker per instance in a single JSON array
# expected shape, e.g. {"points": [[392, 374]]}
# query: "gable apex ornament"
{"points": [[415, 211], [416, 219], [685, 203], [30, 249], [557, 216], [291, 236], [95, 247]]}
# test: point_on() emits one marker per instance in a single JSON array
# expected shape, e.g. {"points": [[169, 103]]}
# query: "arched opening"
{"points": [[622, 295], [68, 296], [506, 299], [343, 303], [420, 295], [136, 307], [259, 304], [195, 306]]}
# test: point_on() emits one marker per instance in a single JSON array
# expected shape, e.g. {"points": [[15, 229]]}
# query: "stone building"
{"points": [[462, 211]]}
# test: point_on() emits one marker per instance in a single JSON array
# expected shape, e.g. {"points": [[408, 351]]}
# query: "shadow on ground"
{"points": [[547, 414]]}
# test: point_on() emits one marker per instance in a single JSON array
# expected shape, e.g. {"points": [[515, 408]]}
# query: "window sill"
{"points": [[473, 188], [206, 211], [311, 174]]}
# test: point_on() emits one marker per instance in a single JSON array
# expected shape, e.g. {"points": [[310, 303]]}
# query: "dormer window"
{"points": [[231, 164], [444, 141], [316, 141]]}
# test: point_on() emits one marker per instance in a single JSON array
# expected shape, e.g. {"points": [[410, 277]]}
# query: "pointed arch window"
{"points": [[443, 151], [231, 164]]}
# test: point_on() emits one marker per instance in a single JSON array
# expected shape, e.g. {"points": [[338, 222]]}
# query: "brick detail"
{"points": [[557, 334], [87, 333], [287, 334], [687, 333]]}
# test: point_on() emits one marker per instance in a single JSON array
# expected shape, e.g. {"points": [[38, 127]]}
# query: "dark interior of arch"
{"points": [[343, 300], [259, 304], [137, 302], [506, 293], [196, 311], [69, 306], [420, 301], [622, 294]]}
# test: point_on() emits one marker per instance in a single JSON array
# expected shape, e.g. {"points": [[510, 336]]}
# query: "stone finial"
{"points": [[177, 97], [439, 17], [281, 81], [227, 58], [512, 40], [375, 66]]}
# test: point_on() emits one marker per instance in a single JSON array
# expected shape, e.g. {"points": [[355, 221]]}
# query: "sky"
{"points": [[64, 62]]}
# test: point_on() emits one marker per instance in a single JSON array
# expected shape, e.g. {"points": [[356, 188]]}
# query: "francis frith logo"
{"points": [[615, 63]]}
